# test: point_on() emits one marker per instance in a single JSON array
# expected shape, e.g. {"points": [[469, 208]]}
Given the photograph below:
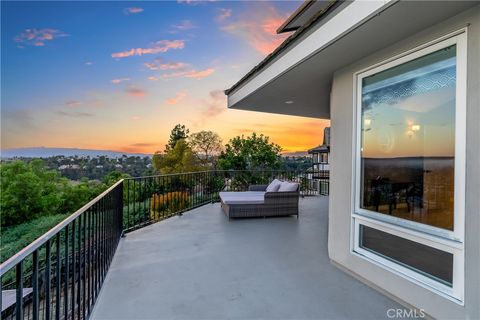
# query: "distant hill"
{"points": [[295, 154], [43, 152]]}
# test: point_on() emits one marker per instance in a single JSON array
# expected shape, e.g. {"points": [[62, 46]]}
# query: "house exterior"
{"points": [[400, 83], [320, 154]]}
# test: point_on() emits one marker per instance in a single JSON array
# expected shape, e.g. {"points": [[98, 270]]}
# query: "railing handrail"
{"points": [[25, 252], [220, 170]]}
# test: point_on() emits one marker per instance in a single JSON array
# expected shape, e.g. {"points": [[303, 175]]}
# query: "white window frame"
{"points": [[446, 240]]}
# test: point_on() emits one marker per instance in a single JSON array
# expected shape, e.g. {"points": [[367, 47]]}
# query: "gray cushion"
{"points": [[246, 197], [288, 186], [274, 186]]}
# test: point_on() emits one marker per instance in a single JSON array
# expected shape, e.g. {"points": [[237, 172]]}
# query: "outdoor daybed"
{"points": [[262, 201]]}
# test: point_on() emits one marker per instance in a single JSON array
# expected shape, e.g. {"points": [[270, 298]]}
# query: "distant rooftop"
{"points": [[325, 146]]}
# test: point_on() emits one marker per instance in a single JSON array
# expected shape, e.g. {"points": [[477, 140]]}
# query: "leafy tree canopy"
{"points": [[179, 159], [206, 145], [30, 190], [255, 152], [179, 132]]}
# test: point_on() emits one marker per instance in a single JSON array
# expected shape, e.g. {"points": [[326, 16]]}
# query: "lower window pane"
{"points": [[431, 262]]}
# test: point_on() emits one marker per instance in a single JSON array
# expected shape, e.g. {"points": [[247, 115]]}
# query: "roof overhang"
{"points": [[304, 13], [297, 80]]}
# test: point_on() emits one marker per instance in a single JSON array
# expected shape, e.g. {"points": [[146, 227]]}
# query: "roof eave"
{"points": [[283, 46], [284, 27]]}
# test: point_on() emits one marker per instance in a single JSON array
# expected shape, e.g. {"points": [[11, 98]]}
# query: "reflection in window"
{"points": [[408, 140]]}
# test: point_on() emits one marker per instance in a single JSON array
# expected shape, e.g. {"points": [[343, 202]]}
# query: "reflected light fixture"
{"points": [[289, 101], [415, 127]]}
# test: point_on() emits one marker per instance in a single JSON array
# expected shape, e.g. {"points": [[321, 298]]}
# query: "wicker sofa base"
{"points": [[259, 210]]}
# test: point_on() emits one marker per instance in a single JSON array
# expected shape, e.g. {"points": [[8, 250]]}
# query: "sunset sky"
{"points": [[120, 75]]}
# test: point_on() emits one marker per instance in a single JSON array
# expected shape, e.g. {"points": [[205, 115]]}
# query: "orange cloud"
{"points": [[178, 97], [132, 10], [190, 74], [223, 14], [158, 64], [119, 80], [258, 28], [136, 92], [152, 78], [157, 47], [38, 37]]}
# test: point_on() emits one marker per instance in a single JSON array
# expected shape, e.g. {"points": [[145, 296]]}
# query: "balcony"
{"points": [[181, 257], [204, 266]]}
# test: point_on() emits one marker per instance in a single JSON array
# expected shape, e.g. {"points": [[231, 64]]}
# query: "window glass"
{"points": [[408, 140], [431, 262]]}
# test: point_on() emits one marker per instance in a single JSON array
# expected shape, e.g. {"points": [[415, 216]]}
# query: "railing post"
{"points": [[19, 295], [120, 208]]}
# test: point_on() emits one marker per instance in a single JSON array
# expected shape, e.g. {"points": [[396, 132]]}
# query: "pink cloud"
{"points": [[157, 47], [258, 28], [152, 78], [132, 10], [190, 74], [72, 103], [158, 64], [194, 2], [200, 74], [38, 37], [136, 92], [216, 104], [119, 80], [223, 14], [184, 25], [178, 97]]}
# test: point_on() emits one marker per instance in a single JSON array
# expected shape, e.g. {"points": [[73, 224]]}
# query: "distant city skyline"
{"points": [[120, 75]]}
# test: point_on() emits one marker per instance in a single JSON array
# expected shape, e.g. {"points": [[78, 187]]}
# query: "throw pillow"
{"points": [[274, 186], [288, 186]]}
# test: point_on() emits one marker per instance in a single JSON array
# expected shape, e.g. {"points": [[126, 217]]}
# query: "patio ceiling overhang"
{"points": [[296, 79]]}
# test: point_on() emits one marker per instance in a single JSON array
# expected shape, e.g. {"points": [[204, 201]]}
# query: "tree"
{"points": [[206, 145], [31, 190], [179, 132], [28, 190], [111, 178], [179, 159], [251, 153]]}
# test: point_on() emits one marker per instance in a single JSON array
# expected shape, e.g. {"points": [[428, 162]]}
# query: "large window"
{"points": [[408, 140], [410, 162]]}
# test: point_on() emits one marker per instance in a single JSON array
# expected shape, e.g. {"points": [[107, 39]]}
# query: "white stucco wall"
{"points": [[341, 175]]}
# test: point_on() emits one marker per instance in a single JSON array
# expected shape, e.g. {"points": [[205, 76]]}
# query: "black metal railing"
{"points": [[151, 199], [59, 275]]}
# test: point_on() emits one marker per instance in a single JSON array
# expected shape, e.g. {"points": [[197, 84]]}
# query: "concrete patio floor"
{"points": [[204, 266]]}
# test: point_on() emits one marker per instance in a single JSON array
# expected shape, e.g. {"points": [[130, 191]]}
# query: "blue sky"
{"points": [[120, 75]]}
